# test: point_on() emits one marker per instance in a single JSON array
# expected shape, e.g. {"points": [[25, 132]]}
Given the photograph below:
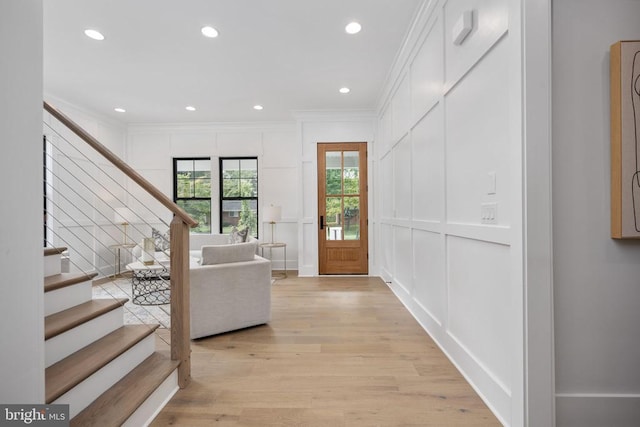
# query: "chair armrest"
{"points": [[201, 274]]}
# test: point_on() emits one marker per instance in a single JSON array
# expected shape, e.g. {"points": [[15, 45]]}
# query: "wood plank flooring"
{"points": [[338, 352]]}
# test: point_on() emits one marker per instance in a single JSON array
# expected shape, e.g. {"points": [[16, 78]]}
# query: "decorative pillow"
{"points": [[233, 235], [224, 254], [242, 235], [238, 236], [161, 240], [166, 238], [157, 238]]}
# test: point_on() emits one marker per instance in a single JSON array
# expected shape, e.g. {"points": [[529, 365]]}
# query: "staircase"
{"points": [[109, 373]]}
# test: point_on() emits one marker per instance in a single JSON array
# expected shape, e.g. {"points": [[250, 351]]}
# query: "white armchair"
{"points": [[230, 285]]}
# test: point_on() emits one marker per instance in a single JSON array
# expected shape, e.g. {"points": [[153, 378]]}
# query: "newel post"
{"points": [[180, 305]]}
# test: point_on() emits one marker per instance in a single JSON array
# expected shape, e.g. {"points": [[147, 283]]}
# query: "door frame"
{"points": [[363, 240]]}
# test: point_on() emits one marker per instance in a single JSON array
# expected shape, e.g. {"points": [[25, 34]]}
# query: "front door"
{"points": [[342, 208]]}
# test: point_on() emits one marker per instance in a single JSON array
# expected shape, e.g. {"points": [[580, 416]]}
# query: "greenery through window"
{"points": [[239, 194], [192, 190], [342, 188]]}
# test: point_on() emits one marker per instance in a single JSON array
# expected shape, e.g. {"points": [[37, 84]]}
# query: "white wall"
{"points": [[151, 149], [21, 305], [81, 218], [450, 118], [596, 279], [314, 127]]}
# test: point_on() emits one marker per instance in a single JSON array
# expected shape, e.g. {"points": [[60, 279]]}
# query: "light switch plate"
{"points": [[491, 187], [489, 213]]}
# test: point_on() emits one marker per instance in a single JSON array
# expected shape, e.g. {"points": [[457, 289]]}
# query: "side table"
{"points": [[270, 246], [150, 284], [116, 249]]}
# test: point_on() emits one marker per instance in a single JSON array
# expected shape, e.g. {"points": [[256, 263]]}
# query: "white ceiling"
{"points": [[287, 55]]}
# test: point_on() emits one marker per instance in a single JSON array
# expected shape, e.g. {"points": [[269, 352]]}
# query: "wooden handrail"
{"points": [[179, 259], [125, 168]]}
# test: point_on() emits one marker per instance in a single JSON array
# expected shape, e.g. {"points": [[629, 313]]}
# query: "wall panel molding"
{"points": [[433, 162]]}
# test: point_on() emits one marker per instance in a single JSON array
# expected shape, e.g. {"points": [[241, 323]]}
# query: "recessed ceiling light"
{"points": [[120, 110], [96, 35], [345, 90], [353, 28], [209, 32], [190, 108], [257, 107]]}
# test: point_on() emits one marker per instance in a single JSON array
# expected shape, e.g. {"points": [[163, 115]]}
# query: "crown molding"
{"points": [[334, 115]]}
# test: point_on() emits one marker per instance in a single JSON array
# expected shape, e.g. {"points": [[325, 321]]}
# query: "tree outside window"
{"points": [[239, 194], [342, 188], [192, 190]]}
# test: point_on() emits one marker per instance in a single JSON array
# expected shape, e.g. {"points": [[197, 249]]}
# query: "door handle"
{"points": [[321, 222]]}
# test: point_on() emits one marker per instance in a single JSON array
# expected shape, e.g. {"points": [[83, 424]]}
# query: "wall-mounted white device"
{"points": [[463, 27], [489, 213], [491, 183]]}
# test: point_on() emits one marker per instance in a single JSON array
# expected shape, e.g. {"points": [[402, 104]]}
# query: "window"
{"points": [[239, 194], [192, 190]]}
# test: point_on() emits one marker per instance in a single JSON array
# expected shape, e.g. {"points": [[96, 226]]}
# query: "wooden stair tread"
{"points": [[60, 322], [54, 251], [57, 281], [118, 403], [72, 370]]}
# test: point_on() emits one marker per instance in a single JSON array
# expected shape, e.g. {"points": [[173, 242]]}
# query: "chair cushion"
{"points": [[197, 241], [224, 254]]}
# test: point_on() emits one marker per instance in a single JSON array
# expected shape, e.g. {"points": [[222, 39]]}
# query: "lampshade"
{"points": [[272, 213], [123, 215]]}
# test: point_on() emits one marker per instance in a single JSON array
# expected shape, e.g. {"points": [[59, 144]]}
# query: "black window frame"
{"points": [[221, 193], [175, 186]]}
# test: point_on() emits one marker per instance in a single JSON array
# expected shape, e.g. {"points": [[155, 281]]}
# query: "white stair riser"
{"points": [[154, 403], [91, 388], [67, 297], [52, 265], [61, 346]]}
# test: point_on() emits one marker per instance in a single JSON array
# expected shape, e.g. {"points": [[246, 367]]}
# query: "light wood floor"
{"points": [[338, 352]]}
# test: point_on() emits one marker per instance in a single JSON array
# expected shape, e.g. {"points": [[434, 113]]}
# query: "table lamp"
{"points": [[272, 214], [123, 216]]}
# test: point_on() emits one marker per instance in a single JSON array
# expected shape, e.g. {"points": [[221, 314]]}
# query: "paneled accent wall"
{"points": [[151, 149], [314, 127], [449, 180]]}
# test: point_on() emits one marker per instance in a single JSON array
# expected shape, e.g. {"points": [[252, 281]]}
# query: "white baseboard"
{"points": [[307, 271], [597, 410], [278, 264], [492, 392]]}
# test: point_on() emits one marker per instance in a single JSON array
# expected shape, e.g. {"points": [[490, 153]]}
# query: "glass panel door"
{"points": [[342, 205]]}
